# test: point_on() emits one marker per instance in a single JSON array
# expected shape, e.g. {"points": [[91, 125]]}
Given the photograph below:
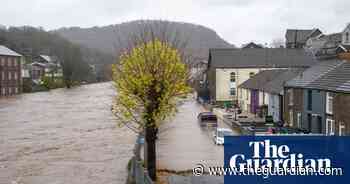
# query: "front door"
{"points": [[254, 101]]}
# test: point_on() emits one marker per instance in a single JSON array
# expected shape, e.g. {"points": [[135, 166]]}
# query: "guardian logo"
{"points": [[287, 159]]}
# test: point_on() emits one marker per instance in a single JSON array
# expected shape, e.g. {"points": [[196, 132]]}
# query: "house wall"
{"points": [[318, 111], [223, 84], [10, 75], [274, 107], [295, 107], [341, 106], [245, 99]]}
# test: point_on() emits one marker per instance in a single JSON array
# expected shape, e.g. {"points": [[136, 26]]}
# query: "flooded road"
{"points": [[63, 136], [183, 143]]}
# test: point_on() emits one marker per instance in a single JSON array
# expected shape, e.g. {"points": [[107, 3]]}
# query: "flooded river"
{"points": [[63, 136]]}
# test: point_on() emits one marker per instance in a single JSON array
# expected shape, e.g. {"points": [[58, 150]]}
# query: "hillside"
{"points": [[108, 38]]}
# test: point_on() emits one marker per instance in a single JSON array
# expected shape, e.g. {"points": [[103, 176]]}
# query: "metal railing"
{"points": [[137, 172]]}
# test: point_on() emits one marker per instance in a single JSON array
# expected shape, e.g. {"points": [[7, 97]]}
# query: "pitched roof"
{"points": [[260, 58], [333, 75], [252, 45], [258, 81], [8, 52], [337, 79], [276, 85], [301, 35], [46, 58], [313, 73]]}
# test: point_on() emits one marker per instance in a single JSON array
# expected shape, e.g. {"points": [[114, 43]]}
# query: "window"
{"points": [[347, 37], [291, 118], [290, 96], [10, 76], [3, 91], [233, 91], [14, 62], [299, 120], [2, 60], [329, 104], [9, 62], [341, 128], [233, 77], [15, 76], [251, 74], [16, 90], [3, 75], [330, 127], [10, 91], [309, 100]]}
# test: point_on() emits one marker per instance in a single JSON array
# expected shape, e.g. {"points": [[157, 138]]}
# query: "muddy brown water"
{"points": [[63, 136]]}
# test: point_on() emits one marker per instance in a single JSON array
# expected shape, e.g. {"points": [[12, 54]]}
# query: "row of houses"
{"points": [[14, 70], [305, 85]]}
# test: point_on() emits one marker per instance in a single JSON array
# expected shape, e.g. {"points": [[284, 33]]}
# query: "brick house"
{"points": [[316, 99], [10, 72]]}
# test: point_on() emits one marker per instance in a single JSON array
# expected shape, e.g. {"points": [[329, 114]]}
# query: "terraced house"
{"points": [[229, 68], [10, 72], [318, 100]]}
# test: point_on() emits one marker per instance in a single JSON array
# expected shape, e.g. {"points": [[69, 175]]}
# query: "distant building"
{"points": [[297, 38], [324, 46], [318, 100], [10, 72], [45, 65], [252, 45], [228, 68], [37, 70]]}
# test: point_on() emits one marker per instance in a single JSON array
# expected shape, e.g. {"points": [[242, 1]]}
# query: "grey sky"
{"points": [[237, 21]]}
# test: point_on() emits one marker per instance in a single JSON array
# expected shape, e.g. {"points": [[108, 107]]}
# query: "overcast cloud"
{"points": [[237, 21]]}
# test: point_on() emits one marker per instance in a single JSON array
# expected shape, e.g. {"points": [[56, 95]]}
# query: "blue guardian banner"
{"points": [[287, 159]]}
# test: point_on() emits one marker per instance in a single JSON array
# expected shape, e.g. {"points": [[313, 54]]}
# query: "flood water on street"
{"points": [[183, 143], [63, 136]]}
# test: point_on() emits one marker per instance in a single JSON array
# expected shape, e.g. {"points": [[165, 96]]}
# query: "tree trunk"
{"points": [[150, 151]]}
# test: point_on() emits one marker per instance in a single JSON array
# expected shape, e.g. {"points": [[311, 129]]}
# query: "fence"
{"points": [[137, 173]]}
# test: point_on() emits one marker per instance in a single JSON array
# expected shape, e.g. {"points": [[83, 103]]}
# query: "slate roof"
{"points": [[337, 79], [300, 35], [277, 84], [258, 81], [260, 58], [252, 45], [46, 58], [332, 75], [8, 52]]}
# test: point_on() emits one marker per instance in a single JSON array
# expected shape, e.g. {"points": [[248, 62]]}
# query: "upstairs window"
{"points": [[290, 97], [233, 77], [329, 104], [309, 100], [347, 37], [251, 74]]}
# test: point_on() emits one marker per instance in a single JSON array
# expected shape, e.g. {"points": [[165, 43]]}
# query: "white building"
{"points": [[229, 68]]}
